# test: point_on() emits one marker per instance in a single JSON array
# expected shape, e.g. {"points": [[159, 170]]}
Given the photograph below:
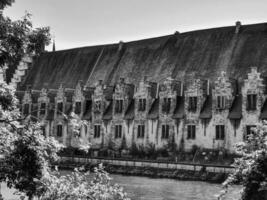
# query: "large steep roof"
{"points": [[202, 54]]}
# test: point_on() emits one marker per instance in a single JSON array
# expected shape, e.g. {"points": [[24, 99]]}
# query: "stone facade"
{"points": [[170, 112]]}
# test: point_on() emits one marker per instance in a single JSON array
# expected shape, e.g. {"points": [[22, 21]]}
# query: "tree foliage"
{"points": [[251, 167]]}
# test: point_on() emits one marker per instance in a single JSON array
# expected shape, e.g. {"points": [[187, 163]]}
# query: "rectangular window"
{"points": [[220, 132], [141, 131], [60, 107], [142, 105], [43, 130], [166, 105], [118, 131], [249, 130], [97, 106], [165, 131], [251, 101], [192, 104], [42, 108], [118, 106], [97, 131], [26, 110], [220, 102], [59, 130], [78, 107], [191, 132]]}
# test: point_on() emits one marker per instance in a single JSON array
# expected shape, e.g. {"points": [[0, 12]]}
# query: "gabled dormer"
{"points": [[27, 103], [122, 96], [78, 100], [144, 96], [43, 103], [101, 98], [60, 101], [168, 93], [196, 94], [224, 92], [253, 92]]}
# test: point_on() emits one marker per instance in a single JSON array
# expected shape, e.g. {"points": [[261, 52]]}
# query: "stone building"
{"points": [[203, 88]]}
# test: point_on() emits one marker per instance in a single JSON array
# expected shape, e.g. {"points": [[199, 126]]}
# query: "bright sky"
{"points": [[78, 23]]}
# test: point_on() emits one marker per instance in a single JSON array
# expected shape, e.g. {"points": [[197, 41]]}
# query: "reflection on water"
{"points": [[143, 188]]}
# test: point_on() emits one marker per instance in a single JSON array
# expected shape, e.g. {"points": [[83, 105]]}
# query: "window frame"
{"points": [[58, 107], [166, 106], [59, 130], [118, 106], [97, 131], [165, 131], [220, 102], [141, 131], [118, 131], [191, 132], [42, 110], [251, 102], [220, 132], [28, 109], [142, 104], [78, 107], [192, 103]]}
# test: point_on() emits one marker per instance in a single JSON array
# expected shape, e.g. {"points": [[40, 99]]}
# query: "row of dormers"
{"points": [[171, 97]]}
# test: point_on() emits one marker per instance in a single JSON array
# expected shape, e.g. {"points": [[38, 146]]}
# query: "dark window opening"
{"points": [[220, 132], [97, 106], [118, 106], [192, 104], [60, 107], [78, 107], [220, 102], [142, 105], [249, 130], [26, 110], [166, 105], [191, 132], [118, 131], [251, 101], [165, 131], [97, 131], [141, 131], [42, 108], [59, 130]]}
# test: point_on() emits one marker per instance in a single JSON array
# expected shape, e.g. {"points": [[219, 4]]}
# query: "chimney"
{"points": [[237, 27], [120, 45], [176, 33]]}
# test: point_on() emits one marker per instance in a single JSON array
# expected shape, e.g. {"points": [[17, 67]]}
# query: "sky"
{"points": [[77, 23]]}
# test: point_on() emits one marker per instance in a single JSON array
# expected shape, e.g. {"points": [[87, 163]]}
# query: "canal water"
{"points": [[143, 188]]}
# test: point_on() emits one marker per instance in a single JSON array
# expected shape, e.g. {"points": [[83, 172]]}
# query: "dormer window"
{"points": [[251, 102], [26, 109], [220, 102], [165, 131], [59, 130], [192, 104], [118, 106], [60, 107], [166, 105], [142, 105], [42, 108], [97, 106], [78, 107]]}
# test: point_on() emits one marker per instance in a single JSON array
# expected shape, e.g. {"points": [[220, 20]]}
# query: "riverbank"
{"points": [[195, 173]]}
